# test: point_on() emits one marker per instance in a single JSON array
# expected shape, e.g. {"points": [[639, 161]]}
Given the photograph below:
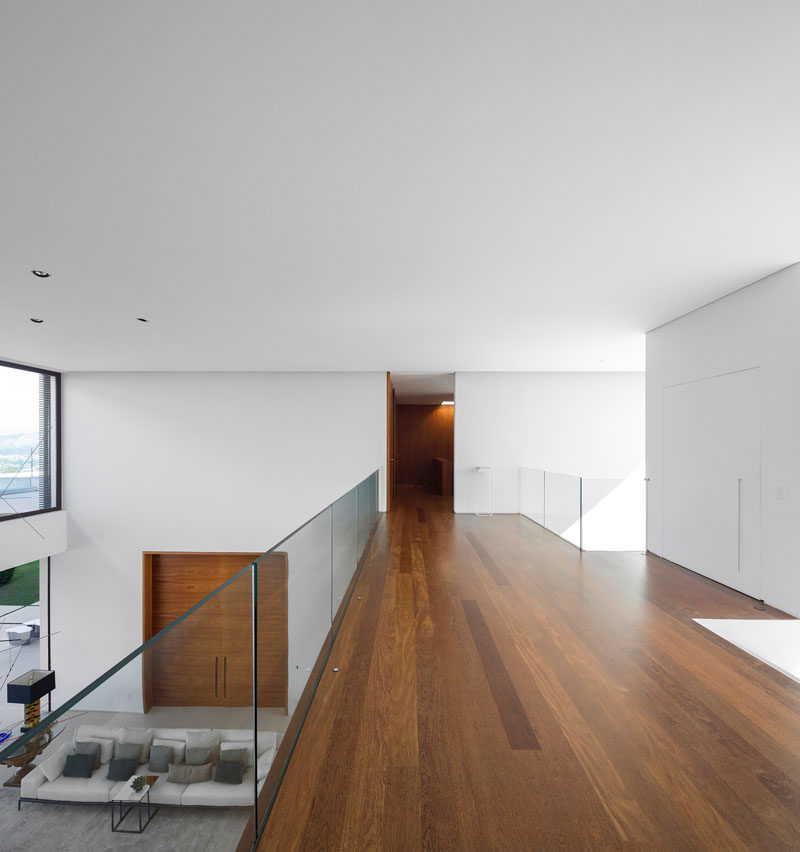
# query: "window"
{"points": [[30, 409]]}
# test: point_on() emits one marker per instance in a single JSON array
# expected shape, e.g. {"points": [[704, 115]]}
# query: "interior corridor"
{"points": [[497, 689]]}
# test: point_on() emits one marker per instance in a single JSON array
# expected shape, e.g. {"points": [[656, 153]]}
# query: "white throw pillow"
{"points": [[54, 766], [266, 741], [247, 745], [141, 737], [204, 739], [178, 748], [101, 732], [106, 747], [264, 762]]}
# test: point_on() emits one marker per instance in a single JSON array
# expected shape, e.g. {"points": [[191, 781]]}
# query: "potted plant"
{"points": [[137, 783]]}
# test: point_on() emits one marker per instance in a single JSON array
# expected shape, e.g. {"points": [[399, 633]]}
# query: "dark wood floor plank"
{"points": [[489, 563], [652, 733], [516, 724]]}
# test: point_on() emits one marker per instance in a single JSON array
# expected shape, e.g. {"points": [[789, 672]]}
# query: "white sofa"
{"points": [[37, 788]]}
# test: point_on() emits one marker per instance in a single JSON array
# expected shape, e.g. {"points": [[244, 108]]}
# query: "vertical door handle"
{"points": [[216, 677], [739, 527], [224, 677]]}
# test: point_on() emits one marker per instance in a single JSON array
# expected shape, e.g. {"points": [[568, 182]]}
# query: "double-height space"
{"points": [[398, 440]]}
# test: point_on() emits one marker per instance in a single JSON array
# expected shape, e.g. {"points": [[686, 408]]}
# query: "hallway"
{"points": [[500, 690]]}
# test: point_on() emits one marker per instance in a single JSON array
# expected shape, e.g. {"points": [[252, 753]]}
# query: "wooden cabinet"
{"points": [[443, 477], [206, 659]]}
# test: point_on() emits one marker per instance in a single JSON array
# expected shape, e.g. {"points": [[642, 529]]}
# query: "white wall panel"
{"points": [[195, 462], [589, 424], [753, 327], [35, 537]]}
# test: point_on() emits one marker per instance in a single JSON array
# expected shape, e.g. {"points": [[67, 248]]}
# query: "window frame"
{"points": [[57, 376]]}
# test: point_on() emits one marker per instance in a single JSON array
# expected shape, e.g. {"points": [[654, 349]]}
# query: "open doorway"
{"points": [[420, 434]]}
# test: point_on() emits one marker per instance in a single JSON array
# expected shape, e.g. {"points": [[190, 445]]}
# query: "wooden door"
{"points": [[205, 660], [272, 637]]}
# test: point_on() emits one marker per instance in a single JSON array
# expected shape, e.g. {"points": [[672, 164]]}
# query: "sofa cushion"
{"points": [[121, 768], [213, 794], [246, 745], [160, 758], [78, 766], [29, 787], [234, 755], [185, 774], [92, 748], [162, 793], [264, 762], [266, 739], [199, 756], [94, 789], [128, 751], [140, 736], [204, 739], [169, 734], [178, 747], [100, 732], [106, 747], [54, 765], [229, 773]]}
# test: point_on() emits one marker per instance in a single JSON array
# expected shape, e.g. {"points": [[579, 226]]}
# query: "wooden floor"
{"points": [[500, 690]]}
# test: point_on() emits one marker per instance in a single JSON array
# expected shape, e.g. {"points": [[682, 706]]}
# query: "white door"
{"points": [[711, 446]]}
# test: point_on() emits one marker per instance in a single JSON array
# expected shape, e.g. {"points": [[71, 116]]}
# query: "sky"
{"points": [[19, 401]]}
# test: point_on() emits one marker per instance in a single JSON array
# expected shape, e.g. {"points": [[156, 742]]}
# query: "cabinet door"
{"points": [[712, 478]]}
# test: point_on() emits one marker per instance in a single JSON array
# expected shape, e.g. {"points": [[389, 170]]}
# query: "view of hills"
{"points": [[19, 443]]}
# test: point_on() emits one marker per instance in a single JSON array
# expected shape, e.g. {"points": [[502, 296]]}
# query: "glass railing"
{"points": [[590, 512], [209, 708]]}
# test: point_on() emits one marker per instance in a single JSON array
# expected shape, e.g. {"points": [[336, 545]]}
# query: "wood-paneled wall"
{"points": [[424, 432], [207, 659]]}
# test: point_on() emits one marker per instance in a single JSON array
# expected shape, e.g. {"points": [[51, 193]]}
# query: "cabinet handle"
{"points": [[216, 677], [224, 677]]}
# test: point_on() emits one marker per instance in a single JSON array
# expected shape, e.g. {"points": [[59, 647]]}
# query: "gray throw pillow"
{"points": [[229, 773], [89, 748], [185, 774], [128, 750], [121, 768], [234, 755], [79, 766], [160, 758], [198, 756]]}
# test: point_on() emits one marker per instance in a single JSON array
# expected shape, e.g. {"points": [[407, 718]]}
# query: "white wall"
{"points": [[589, 424], [754, 327], [192, 461], [35, 537]]}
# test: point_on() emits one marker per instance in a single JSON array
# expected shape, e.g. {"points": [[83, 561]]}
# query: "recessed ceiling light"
{"points": [[37, 321], [40, 273], [142, 319]]}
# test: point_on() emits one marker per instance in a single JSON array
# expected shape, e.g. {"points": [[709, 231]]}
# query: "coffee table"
{"points": [[22, 757], [126, 803]]}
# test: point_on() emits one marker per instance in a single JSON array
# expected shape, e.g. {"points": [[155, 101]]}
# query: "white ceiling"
{"points": [[387, 185], [423, 388]]}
